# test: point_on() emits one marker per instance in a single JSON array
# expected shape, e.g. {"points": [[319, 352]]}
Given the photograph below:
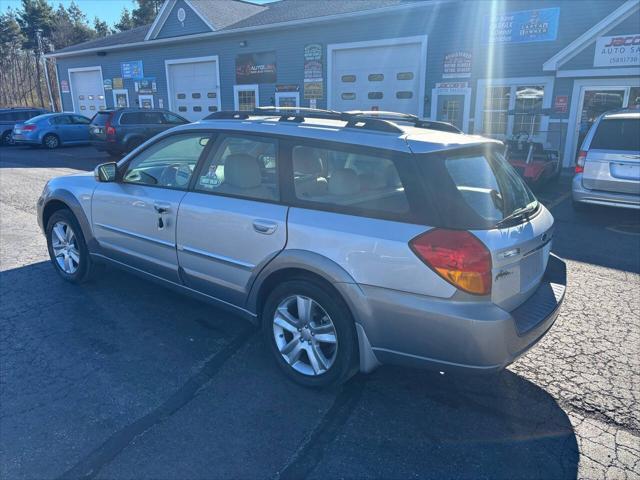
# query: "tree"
{"points": [[70, 27], [101, 27], [125, 22], [146, 12], [35, 19]]}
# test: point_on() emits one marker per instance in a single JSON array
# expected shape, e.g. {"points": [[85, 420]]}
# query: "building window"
{"points": [[195, 95], [213, 108], [528, 109], [496, 106], [246, 100], [182, 109], [374, 95], [348, 96], [211, 95], [181, 96], [404, 95], [348, 78], [376, 77], [405, 76], [197, 109]]}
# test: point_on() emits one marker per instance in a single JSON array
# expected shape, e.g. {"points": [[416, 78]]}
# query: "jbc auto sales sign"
{"points": [[617, 51]]}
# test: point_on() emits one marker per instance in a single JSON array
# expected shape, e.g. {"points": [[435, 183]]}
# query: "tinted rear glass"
{"points": [[100, 118], [489, 185], [141, 118], [617, 134]]}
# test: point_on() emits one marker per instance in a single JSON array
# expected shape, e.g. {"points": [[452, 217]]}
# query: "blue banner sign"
{"points": [[132, 69], [522, 27]]}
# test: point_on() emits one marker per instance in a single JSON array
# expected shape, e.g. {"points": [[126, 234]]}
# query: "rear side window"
{"points": [[617, 134], [365, 184], [488, 185], [131, 119], [100, 118]]}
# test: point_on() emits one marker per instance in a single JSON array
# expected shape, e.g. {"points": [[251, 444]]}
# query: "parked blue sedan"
{"points": [[52, 130]]}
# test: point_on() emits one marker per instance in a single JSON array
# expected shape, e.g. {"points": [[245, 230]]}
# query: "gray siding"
{"points": [[192, 24]]}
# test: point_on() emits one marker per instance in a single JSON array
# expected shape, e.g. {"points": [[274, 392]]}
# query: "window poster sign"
{"points": [[287, 88], [256, 68], [64, 86], [561, 104], [452, 88], [132, 69], [117, 82], [617, 51], [146, 85], [457, 65], [522, 26], [313, 83], [107, 84]]}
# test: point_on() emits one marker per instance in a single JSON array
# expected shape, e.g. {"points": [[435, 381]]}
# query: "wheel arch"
{"points": [[63, 199]]}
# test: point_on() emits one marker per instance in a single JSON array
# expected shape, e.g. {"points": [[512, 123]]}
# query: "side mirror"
{"points": [[106, 172]]}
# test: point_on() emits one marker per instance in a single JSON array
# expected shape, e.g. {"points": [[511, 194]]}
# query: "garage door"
{"points": [[194, 88], [377, 78], [87, 90]]}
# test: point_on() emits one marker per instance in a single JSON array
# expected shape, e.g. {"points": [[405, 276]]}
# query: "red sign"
{"points": [[561, 104]]}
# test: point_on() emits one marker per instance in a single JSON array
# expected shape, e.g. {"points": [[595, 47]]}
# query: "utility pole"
{"points": [[46, 69]]}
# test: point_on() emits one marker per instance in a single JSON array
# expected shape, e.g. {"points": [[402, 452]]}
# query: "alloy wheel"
{"points": [[51, 141], [65, 247], [305, 335]]}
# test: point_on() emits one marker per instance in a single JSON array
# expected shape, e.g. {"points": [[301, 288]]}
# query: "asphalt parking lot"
{"points": [[120, 379]]}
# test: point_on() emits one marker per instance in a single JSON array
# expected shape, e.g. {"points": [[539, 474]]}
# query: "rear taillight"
{"points": [[458, 257], [108, 128], [29, 128], [582, 157]]}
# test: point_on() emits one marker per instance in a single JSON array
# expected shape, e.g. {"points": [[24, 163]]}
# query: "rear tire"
{"points": [[7, 138], [315, 349], [67, 247], [51, 141]]}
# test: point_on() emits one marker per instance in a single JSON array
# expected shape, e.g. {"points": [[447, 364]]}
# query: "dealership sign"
{"points": [[457, 65], [617, 51], [313, 82], [256, 68], [132, 69], [64, 86], [521, 27]]}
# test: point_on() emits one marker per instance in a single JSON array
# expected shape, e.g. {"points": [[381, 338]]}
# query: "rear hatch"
{"points": [[98, 125], [479, 192], [612, 156]]}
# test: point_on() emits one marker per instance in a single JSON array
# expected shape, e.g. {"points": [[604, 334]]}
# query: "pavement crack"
{"points": [[312, 449], [95, 461]]}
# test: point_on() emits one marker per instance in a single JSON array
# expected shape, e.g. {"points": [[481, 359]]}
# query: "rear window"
{"points": [[100, 118], [617, 134], [489, 185]]}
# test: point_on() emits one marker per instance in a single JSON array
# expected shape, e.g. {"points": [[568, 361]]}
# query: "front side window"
{"points": [[354, 181], [167, 163], [244, 166]]}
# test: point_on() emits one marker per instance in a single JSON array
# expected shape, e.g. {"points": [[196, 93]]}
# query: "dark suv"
{"points": [[121, 130], [10, 116]]}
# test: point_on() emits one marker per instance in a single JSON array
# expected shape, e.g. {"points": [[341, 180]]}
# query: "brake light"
{"points": [[458, 257], [108, 128], [29, 128], [582, 157]]}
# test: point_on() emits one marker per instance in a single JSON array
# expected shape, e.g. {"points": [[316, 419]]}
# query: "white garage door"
{"points": [[87, 90], [377, 78], [194, 89]]}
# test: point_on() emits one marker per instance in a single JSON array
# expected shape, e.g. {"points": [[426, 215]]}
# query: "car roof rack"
{"points": [[300, 114], [407, 118]]}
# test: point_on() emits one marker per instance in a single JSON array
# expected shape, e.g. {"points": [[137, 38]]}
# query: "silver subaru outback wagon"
{"points": [[352, 240]]}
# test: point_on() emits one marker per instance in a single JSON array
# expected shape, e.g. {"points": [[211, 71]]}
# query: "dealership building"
{"points": [[499, 68]]}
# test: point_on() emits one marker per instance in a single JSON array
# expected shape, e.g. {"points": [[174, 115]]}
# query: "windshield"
{"points": [[490, 186]]}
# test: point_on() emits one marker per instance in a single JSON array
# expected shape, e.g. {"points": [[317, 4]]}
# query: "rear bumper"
{"points": [[412, 330], [21, 139], [600, 197]]}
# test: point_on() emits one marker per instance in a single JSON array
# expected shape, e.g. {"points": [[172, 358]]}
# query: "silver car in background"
{"points": [[607, 169], [352, 240]]}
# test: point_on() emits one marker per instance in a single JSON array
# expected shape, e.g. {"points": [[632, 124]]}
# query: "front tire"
{"points": [[67, 247], [51, 141], [311, 333]]}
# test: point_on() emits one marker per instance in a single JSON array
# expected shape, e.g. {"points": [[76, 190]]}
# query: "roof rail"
{"points": [[408, 118], [299, 115]]}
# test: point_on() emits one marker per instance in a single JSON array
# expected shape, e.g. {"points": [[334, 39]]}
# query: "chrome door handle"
{"points": [[265, 227]]}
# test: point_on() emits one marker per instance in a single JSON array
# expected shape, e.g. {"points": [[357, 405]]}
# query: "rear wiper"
{"points": [[518, 213]]}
